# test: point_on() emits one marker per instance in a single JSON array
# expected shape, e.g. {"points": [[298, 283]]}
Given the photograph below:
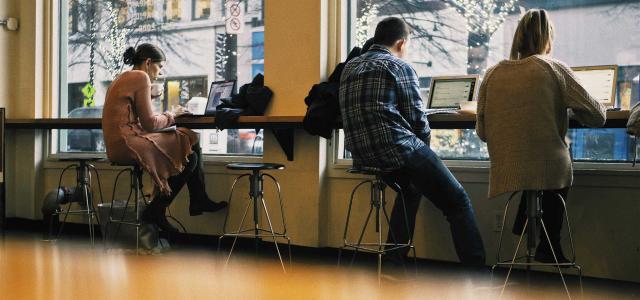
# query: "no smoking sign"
{"points": [[235, 17]]}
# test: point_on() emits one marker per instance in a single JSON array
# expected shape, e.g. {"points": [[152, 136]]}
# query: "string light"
{"points": [[369, 15], [116, 38], [485, 16]]}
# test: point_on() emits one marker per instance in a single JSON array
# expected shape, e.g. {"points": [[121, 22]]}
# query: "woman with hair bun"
{"points": [[131, 136]]}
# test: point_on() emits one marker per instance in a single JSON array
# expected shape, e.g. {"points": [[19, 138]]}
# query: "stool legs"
{"points": [[256, 199], [377, 204], [534, 216], [135, 190], [284, 221], [83, 185]]}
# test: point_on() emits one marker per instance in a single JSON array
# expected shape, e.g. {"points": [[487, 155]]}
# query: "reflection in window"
{"points": [[231, 141], [450, 144], [178, 91], [611, 144], [466, 37], [257, 50], [173, 10], [257, 69], [73, 17], [196, 56], [461, 144], [201, 9]]}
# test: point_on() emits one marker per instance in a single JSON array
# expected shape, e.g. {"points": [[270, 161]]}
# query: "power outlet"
{"points": [[497, 220]]}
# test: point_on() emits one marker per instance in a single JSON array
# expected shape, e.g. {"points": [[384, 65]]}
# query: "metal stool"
{"points": [[377, 202], [534, 216], [135, 174], [83, 186], [256, 193]]}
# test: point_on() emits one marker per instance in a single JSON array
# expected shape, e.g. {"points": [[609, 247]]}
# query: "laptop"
{"points": [[219, 89], [600, 82], [447, 93]]}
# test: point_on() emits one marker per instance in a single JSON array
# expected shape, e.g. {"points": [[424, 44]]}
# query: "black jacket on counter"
{"points": [[323, 106], [251, 100]]}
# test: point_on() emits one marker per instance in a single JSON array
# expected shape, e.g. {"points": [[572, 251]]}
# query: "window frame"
{"points": [[59, 10]]}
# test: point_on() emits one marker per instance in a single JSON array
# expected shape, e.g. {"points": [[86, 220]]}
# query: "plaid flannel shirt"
{"points": [[383, 115]]}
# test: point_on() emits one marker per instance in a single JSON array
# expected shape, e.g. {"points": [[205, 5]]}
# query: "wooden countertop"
{"points": [[462, 120]]}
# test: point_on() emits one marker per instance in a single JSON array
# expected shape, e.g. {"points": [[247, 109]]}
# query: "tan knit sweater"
{"points": [[523, 110]]}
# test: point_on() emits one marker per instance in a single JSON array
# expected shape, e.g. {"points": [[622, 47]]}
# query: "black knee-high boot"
{"points": [[199, 201], [155, 212], [553, 217]]}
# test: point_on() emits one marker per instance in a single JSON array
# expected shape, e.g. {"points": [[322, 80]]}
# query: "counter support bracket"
{"points": [[285, 138]]}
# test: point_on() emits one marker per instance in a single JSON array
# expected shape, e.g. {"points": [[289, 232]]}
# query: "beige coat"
{"points": [[129, 123], [523, 117]]}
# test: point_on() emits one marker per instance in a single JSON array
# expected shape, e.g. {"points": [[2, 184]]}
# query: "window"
{"points": [[257, 51], [201, 9], [74, 14], [465, 37], [173, 10], [98, 32]]}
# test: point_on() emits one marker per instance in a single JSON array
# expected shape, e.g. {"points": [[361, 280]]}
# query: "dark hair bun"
{"points": [[129, 56]]}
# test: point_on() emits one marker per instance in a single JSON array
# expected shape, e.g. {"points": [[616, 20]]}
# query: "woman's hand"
{"points": [[179, 110]]}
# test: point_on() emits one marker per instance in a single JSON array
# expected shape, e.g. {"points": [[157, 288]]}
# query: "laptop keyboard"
{"points": [[432, 111]]}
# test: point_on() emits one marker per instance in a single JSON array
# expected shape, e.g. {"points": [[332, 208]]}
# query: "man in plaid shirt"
{"points": [[386, 129]]}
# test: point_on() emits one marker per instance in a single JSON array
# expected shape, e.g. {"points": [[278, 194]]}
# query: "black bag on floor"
{"points": [[124, 236], [51, 206]]}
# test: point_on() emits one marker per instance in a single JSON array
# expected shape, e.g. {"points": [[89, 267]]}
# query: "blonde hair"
{"points": [[534, 33]]}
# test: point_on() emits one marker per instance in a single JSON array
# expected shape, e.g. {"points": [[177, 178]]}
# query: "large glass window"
{"points": [[198, 53], [455, 37]]}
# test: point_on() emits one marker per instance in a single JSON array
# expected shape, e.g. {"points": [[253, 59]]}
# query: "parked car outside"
{"points": [[85, 140]]}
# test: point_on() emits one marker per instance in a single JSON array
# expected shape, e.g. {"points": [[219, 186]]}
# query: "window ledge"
{"points": [[215, 163]]}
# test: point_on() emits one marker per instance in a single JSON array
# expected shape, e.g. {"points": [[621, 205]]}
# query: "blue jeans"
{"points": [[426, 175]]}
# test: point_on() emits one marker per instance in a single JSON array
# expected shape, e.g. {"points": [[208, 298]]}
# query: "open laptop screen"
{"points": [[219, 90], [600, 82], [449, 92]]}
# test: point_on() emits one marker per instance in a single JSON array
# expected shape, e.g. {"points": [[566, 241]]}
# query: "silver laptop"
{"points": [[600, 82], [219, 90], [446, 93]]}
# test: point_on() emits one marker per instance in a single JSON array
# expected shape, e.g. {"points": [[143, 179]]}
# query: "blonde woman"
{"points": [[523, 115]]}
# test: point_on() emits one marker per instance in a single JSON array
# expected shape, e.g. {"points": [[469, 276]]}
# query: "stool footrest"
{"points": [[533, 264], [256, 236], [366, 247], [253, 230], [242, 232], [75, 212], [132, 223], [538, 264]]}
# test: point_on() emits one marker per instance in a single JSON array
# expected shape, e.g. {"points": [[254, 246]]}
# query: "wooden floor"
{"points": [[34, 269]]}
